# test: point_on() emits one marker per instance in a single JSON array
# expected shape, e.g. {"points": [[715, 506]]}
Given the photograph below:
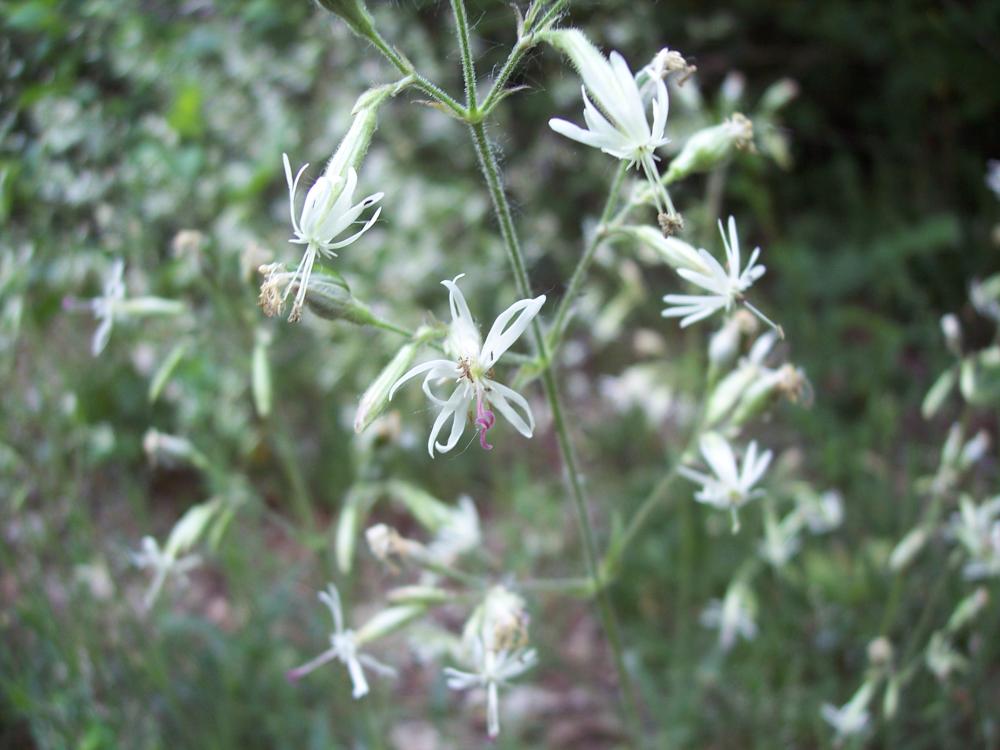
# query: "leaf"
{"points": [[166, 369]]}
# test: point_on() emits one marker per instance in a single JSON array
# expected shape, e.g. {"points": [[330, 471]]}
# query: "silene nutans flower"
{"points": [[726, 286], [472, 372], [327, 212], [343, 648], [729, 486], [618, 124]]}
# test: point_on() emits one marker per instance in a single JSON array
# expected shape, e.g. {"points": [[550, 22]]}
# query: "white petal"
{"points": [[456, 301], [417, 370], [720, 458], [499, 395], [501, 336]]}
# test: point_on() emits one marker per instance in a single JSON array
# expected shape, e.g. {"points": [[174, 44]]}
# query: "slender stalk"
{"points": [[428, 87], [468, 65], [524, 44], [508, 233], [561, 321]]}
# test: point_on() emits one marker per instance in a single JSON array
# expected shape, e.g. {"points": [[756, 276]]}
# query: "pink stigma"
{"points": [[485, 419]]}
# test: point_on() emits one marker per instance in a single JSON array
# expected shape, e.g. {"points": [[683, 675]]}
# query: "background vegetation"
{"points": [[152, 131]]}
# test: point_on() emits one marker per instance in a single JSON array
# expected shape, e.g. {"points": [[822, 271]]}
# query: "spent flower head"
{"points": [[472, 369], [726, 286]]}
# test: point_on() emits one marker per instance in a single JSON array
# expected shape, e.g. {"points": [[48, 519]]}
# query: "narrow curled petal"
{"points": [[504, 333], [455, 409], [499, 397], [435, 364]]}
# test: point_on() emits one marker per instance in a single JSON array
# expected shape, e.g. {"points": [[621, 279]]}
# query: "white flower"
{"points": [[977, 528], [821, 513], [458, 535], [472, 370], [781, 538], [104, 306], [993, 176], [618, 125], [343, 648], [163, 563], [733, 616], [326, 213], [493, 669], [728, 487], [726, 286], [112, 304], [852, 718]]}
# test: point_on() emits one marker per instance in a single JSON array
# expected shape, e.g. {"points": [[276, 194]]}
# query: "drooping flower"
{"points": [[472, 370], [725, 286], [618, 124], [163, 563], [328, 210], [728, 487], [343, 648], [733, 616]]}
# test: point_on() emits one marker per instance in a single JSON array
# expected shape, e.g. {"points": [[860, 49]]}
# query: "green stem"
{"points": [[583, 265], [524, 44], [501, 207], [428, 87], [468, 65]]}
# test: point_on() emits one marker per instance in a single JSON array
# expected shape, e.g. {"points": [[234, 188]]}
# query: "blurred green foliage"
{"points": [[124, 124]]}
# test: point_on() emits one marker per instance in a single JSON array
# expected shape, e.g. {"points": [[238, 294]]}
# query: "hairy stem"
{"points": [[508, 233], [468, 65]]}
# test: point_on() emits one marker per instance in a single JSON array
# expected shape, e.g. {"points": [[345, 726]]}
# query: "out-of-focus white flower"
{"points": [[459, 534], [993, 176], [472, 369], [491, 671], [952, 331], [850, 719], [977, 528], [733, 616], [343, 648], [725, 286], [163, 563], [618, 125], [112, 304], [728, 487], [781, 538], [326, 213], [941, 657], [821, 513]]}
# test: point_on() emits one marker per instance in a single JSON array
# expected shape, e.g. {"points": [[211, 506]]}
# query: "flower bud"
{"points": [[907, 549], [672, 251], [355, 14], [376, 397], [952, 331], [388, 621], [968, 609], [725, 343], [880, 652], [354, 145], [261, 375], [425, 595], [330, 298], [709, 147]]}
